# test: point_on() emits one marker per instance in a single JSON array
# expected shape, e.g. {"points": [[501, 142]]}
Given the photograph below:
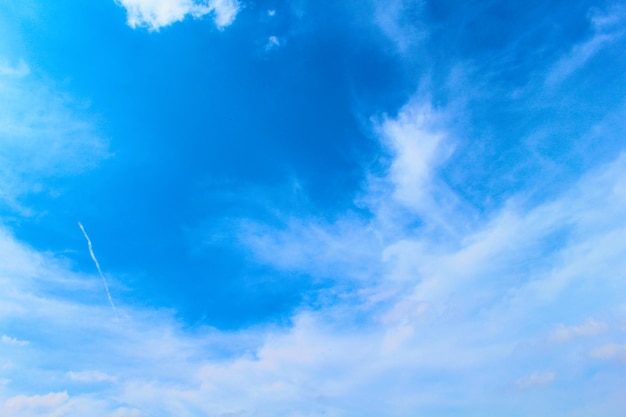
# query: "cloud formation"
{"points": [[610, 352], [589, 328], [155, 14], [35, 405], [90, 376], [433, 311], [607, 28], [447, 294], [13, 341], [479, 310], [536, 379]]}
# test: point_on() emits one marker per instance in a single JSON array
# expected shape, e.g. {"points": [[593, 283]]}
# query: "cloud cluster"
{"points": [[155, 14], [452, 295]]}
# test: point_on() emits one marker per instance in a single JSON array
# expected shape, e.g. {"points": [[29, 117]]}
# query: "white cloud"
{"points": [[417, 145], [607, 28], [20, 70], [35, 405], [90, 376], [579, 55], [611, 352], [155, 14], [400, 21], [323, 249], [225, 11], [471, 303], [272, 43], [415, 140], [589, 328], [536, 379], [13, 341]]}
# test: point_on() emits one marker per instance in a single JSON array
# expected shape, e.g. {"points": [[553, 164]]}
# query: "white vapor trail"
{"points": [[95, 261]]}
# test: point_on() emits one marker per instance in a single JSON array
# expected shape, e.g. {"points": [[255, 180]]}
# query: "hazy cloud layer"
{"points": [[479, 310], [42, 135]]}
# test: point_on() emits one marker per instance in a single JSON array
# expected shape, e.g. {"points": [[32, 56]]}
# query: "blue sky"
{"points": [[298, 208]]}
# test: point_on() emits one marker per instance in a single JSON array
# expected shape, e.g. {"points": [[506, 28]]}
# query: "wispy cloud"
{"points": [[536, 379], [400, 21], [20, 70], [90, 376], [607, 28], [449, 292], [588, 328], [42, 135], [13, 341], [155, 14], [95, 261], [35, 405], [611, 352], [272, 43]]}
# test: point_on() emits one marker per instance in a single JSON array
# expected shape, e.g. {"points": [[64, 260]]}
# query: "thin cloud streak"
{"points": [[95, 261]]}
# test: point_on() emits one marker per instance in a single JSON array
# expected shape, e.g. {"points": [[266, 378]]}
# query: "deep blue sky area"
{"points": [[191, 107]]}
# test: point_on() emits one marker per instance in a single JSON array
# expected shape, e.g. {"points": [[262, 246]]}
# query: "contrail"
{"points": [[95, 261]]}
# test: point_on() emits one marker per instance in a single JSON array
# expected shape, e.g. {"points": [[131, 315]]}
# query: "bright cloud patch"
{"points": [[90, 377], [36, 405], [13, 341], [155, 14], [417, 142]]}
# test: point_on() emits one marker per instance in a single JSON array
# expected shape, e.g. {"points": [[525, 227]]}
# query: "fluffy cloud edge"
{"points": [[156, 14]]}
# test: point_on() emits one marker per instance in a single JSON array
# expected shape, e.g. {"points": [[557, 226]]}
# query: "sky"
{"points": [[291, 208]]}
